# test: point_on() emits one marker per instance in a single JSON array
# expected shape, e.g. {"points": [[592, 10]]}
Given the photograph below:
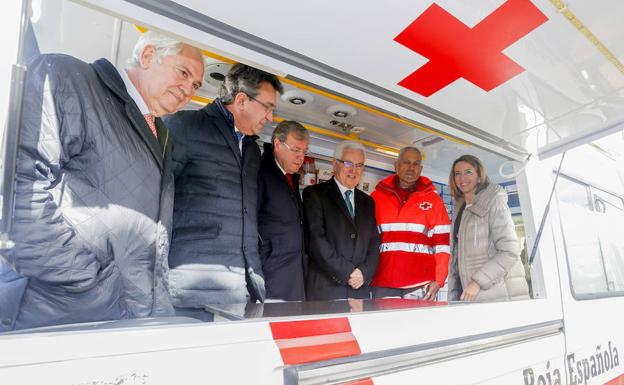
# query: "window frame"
{"points": [[589, 187]]}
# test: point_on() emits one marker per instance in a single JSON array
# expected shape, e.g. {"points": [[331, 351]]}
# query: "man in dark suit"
{"points": [[214, 252], [342, 237], [280, 213]]}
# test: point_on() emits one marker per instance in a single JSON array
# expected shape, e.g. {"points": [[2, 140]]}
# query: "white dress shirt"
{"points": [[342, 192], [133, 92]]}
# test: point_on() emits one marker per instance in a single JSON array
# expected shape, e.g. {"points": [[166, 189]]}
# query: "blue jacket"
{"points": [[93, 199], [214, 251]]}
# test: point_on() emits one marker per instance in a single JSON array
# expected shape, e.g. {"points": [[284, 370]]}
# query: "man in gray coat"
{"points": [[94, 190], [214, 253]]}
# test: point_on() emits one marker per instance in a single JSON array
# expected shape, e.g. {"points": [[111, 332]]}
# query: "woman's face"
{"points": [[466, 177]]}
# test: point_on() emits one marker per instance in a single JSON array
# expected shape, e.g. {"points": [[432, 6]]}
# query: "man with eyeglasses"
{"points": [[214, 252], [342, 238], [414, 227], [94, 187], [280, 213]]}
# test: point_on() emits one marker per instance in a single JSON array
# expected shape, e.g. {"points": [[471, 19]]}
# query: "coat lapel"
{"points": [[164, 139], [295, 179], [227, 135], [226, 129], [269, 161], [361, 218], [110, 77], [141, 127], [339, 199]]}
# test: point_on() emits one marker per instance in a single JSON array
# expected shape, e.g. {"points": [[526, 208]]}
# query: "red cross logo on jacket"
{"points": [[425, 206]]}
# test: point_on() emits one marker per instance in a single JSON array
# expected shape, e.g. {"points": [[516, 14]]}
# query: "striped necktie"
{"points": [[149, 118], [348, 202]]}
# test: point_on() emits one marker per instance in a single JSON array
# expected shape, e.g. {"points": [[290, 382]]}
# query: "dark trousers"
{"points": [[412, 292]]}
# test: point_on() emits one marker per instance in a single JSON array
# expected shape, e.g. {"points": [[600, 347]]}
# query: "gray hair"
{"points": [[409, 148], [289, 127], [163, 46], [248, 80], [348, 145]]}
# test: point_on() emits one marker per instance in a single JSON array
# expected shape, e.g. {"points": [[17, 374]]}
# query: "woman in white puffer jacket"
{"points": [[485, 262]]}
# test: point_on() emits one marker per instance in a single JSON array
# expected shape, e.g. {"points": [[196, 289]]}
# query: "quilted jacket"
{"points": [[214, 253], [94, 196], [487, 250]]}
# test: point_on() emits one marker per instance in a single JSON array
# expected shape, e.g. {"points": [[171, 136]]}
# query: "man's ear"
{"points": [[148, 56], [240, 99]]}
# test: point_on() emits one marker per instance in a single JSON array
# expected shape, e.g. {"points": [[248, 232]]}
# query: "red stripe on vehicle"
{"points": [[304, 354], [364, 381], [300, 342], [307, 328], [619, 380]]}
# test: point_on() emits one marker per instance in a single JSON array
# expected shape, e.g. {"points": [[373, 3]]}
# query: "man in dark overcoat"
{"points": [[280, 213]]}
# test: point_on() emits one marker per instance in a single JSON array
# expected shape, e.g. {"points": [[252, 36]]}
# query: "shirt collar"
{"points": [[133, 92], [278, 165], [342, 188]]}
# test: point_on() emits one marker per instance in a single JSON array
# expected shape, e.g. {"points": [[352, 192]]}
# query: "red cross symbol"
{"points": [[425, 206], [457, 51]]}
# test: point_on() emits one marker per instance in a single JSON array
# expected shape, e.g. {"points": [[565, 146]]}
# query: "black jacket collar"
{"points": [[225, 124], [110, 77]]}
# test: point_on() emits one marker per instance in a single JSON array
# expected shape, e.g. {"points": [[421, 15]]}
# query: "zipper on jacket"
{"points": [[393, 192], [475, 235], [166, 141]]}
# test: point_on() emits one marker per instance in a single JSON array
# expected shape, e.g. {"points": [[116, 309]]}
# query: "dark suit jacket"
{"points": [[280, 225], [337, 244]]}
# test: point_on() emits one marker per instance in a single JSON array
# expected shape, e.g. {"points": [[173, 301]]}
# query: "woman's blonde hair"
{"points": [[472, 160]]}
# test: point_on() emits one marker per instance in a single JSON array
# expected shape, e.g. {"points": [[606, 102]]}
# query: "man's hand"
{"points": [[432, 289], [471, 291], [356, 279]]}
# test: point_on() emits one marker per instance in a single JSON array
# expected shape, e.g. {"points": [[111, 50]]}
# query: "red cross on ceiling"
{"points": [[457, 51]]}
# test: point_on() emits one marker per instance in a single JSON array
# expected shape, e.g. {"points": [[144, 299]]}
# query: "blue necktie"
{"points": [[239, 138], [348, 202]]}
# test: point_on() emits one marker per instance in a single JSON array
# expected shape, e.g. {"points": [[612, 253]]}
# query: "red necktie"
{"points": [[149, 118], [289, 180]]}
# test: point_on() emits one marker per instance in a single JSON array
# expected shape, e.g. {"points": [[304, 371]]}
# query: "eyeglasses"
{"points": [[269, 108], [349, 164], [295, 150], [184, 73]]}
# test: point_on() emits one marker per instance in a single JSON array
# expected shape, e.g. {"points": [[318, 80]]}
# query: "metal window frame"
{"points": [[407, 358]]}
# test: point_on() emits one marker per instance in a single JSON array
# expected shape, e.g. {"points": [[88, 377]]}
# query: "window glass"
{"points": [[591, 222], [610, 209]]}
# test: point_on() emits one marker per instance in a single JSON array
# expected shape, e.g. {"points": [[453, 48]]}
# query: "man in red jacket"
{"points": [[414, 228]]}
